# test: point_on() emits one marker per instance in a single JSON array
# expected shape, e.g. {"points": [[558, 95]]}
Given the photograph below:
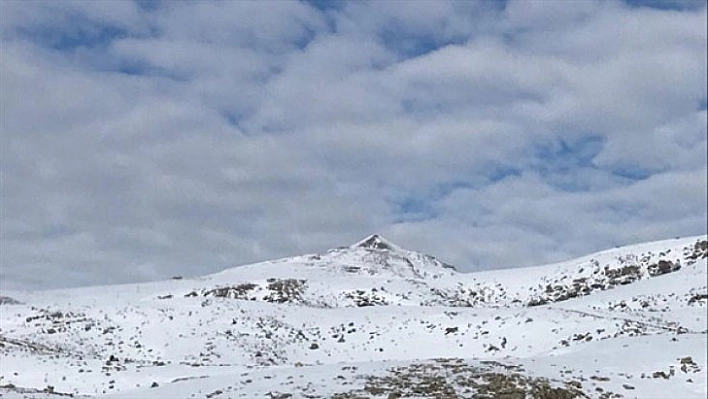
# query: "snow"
{"points": [[629, 321]]}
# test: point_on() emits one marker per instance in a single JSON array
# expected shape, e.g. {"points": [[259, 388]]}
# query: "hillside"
{"points": [[374, 320]]}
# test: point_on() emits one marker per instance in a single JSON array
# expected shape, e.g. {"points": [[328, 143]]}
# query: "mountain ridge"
{"points": [[373, 320]]}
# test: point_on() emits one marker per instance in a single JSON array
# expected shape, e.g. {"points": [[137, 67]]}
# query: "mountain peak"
{"points": [[375, 241]]}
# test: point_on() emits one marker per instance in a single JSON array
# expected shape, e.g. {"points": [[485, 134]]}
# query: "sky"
{"points": [[144, 140]]}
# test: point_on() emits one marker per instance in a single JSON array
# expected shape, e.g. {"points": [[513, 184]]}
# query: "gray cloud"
{"points": [[181, 139]]}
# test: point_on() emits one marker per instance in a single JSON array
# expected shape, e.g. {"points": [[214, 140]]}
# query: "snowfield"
{"points": [[373, 320]]}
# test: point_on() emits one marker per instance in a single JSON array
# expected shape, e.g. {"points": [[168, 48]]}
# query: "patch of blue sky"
{"points": [[703, 104], [496, 4], [675, 5], [422, 108], [138, 68], [632, 172], [76, 33], [232, 118], [81, 34], [501, 172], [132, 68], [560, 163], [489, 173], [478, 97], [413, 209], [422, 205], [411, 45], [148, 5], [561, 155], [302, 41], [559, 160], [329, 9], [444, 189], [511, 37], [326, 5]]}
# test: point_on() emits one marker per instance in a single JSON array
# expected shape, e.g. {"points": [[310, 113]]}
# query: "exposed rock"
{"points": [[663, 267], [6, 300]]}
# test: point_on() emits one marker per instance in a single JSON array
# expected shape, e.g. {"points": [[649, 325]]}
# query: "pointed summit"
{"points": [[375, 241]]}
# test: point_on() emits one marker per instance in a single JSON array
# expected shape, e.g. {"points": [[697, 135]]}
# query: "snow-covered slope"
{"points": [[374, 320]]}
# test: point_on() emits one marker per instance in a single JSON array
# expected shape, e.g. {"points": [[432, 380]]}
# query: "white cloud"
{"points": [[139, 144], [248, 24]]}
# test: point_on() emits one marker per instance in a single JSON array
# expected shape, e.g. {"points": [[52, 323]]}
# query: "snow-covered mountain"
{"points": [[374, 320]]}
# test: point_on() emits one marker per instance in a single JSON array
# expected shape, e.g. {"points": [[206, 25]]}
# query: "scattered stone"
{"points": [[599, 378], [687, 360], [663, 267], [660, 374], [450, 330]]}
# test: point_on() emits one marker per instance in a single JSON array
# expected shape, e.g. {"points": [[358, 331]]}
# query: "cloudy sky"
{"points": [[143, 140]]}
